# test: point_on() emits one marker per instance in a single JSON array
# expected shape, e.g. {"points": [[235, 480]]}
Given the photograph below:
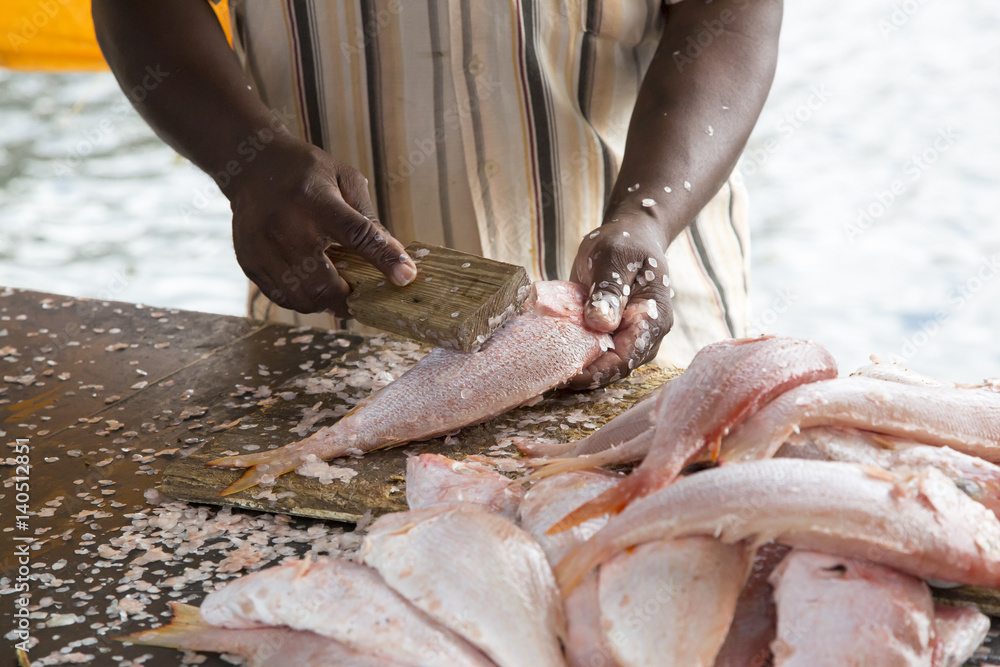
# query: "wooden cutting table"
{"points": [[105, 396]]}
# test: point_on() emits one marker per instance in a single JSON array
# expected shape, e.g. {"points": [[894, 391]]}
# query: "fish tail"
{"points": [[612, 501], [186, 630], [269, 464]]}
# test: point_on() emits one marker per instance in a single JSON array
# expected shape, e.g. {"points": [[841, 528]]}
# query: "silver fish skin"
{"points": [[835, 611], [754, 626], [965, 419], [918, 522], [341, 600], [478, 575], [978, 478], [259, 647], [959, 632], [670, 602], [725, 383], [433, 480], [552, 498], [447, 390]]}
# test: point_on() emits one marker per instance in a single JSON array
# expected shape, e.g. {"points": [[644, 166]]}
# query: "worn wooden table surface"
{"points": [[103, 396]]}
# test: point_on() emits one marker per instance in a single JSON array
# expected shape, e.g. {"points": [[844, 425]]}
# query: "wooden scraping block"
{"points": [[456, 301]]}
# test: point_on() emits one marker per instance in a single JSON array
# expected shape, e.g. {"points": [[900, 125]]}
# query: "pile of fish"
{"points": [[780, 515]]}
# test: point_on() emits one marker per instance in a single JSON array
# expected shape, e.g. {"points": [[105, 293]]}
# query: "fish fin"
{"points": [[185, 630], [549, 467], [534, 448], [612, 501], [578, 562], [272, 463]]}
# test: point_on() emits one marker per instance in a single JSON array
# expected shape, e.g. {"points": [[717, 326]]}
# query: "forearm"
{"points": [[173, 62], [696, 109]]}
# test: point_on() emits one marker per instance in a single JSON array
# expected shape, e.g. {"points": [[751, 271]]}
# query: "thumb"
{"points": [[360, 231], [608, 298]]}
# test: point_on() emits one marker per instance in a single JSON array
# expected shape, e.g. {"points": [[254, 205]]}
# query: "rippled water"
{"points": [[865, 100]]}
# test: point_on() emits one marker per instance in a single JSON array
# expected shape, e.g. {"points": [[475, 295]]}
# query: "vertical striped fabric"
{"points": [[493, 127]]}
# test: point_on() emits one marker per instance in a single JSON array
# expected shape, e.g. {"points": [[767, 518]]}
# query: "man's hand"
{"points": [[624, 261], [292, 203]]}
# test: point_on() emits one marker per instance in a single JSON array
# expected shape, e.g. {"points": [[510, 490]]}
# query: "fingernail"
{"points": [[403, 274]]}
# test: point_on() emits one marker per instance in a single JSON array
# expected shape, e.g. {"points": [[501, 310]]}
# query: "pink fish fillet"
{"points": [[344, 601], [670, 602], [918, 523], [724, 384], [835, 611], [433, 480], [978, 478], [965, 419], [959, 632], [748, 643], [260, 647], [539, 349]]}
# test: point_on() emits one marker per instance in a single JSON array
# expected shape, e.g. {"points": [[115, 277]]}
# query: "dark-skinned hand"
{"points": [[288, 206], [624, 261]]}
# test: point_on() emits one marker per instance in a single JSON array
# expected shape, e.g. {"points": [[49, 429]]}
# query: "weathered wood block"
{"points": [[457, 300]]}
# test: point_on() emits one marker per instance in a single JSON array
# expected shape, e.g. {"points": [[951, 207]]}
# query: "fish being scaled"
{"points": [[965, 419], [343, 601], [542, 347], [835, 611], [670, 602], [725, 383], [433, 480], [917, 522], [978, 478], [478, 575], [959, 632]]}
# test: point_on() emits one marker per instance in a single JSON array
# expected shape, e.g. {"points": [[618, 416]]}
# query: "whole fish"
{"points": [[542, 347], [748, 643], [959, 632], [478, 575], [965, 419], [260, 646], [725, 383], [670, 602], [339, 600], [835, 611], [433, 480], [919, 523], [978, 478]]}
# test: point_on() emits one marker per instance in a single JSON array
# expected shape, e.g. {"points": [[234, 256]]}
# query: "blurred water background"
{"points": [[873, 177]]}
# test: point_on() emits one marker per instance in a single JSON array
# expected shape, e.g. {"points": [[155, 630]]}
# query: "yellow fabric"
{"points": [[58, 35]]}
